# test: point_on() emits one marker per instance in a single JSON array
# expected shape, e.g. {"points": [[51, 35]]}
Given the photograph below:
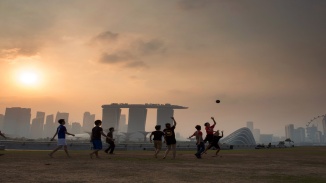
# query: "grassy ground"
{"points": [[299, 164]]}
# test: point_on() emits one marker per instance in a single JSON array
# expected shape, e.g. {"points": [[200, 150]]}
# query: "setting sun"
{"points": [[28, 78]]}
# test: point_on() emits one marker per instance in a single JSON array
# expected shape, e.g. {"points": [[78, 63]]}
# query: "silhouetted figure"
{"points": [[209, 131], [97, 131], [61, 132], [110, 141], [158, 134], [214, 143], [199, 141], [169, 137], [3, 135]]}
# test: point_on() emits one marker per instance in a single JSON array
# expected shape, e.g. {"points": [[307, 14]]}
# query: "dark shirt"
{"points": [[169, 133], [96, 133], [110, 134], [61, 132], [157, 135], [216, 139]]}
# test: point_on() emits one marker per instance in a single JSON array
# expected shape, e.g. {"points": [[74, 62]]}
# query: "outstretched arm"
{"points": [[106, 135], [222, 133], [192, 135], [175, 123], [213, 120], [70, 133], [1, 134], [54, 135]]}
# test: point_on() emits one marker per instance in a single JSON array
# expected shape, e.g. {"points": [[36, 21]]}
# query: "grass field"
{"points": [[299, 164]]}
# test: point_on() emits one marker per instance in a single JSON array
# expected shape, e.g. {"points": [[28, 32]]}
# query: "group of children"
{"points": [[167, 134]]}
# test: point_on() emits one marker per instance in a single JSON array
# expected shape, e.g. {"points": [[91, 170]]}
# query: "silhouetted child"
{"points": [[209, 131], [199, 141], [97, 131], [110, 141], [158, 134], [61, 132], [169, 138], [214, 143], [3, 135]]}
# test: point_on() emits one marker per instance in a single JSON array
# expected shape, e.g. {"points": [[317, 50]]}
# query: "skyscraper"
{"points": [[299, 135], [123, 127], [17, 121], [250, 125], [256, 133], [37, 125], [88, 121], [76, 128], [289, 131], [49, 127], [2, 120], [324, 125]]}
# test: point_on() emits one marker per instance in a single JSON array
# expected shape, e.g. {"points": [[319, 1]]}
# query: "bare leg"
{"points": [[174, 150], [66, 150], [59, 147], [156, 152], [218, 150], [94, 152], [167, 151]]}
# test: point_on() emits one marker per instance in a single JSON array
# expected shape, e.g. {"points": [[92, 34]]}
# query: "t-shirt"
{"points": [[210, 130], [157, 135], [199, 136], [169, 133], [61, 132], [110, 134], [96, 131]]}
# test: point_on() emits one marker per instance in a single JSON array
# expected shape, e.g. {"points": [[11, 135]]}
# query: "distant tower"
{"points": [[76, 128], [250, 125], [289, 131], [111, 117], [164, 116], [256, 133], [123, 127], [137, 120], [88, 121], [37, 125], [49, 127], [324, 126], [2, 121], [17, 121]]}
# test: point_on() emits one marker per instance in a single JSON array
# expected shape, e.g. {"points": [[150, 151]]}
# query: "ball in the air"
{"points": [[218, 101]]}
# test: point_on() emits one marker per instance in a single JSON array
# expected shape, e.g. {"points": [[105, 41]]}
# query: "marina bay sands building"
{"points": [[137, 115]]}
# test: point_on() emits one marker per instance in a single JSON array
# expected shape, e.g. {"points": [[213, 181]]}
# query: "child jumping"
{"points": [[110, 141], [199, 141], [214, 143], [169, 138], [61, 132], [97, 131], [158, 134], [209, 131]]}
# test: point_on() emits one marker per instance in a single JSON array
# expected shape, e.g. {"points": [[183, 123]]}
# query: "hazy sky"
{"points": [[265, 60]]}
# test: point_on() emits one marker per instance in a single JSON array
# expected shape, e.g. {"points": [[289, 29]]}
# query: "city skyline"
{"points": [[264, 60]]}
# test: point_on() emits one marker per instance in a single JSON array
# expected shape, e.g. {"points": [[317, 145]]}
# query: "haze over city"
{"points": [[264, 61]]}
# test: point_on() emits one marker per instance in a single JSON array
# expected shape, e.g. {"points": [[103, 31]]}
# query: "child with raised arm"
{"points": [[199, 141], [110, 141], [209, 131], [97, 131], [214, 143], [61, 132], [169, 137], [158, 134]]}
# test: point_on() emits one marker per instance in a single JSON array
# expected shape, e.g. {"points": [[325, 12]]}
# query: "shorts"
{"points": [[170, 141], [97, 144], [158, 144], [62, 142], [215, 144], [209, 138]]}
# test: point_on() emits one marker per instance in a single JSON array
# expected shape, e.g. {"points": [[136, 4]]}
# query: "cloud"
{"points": [[128, 51]]}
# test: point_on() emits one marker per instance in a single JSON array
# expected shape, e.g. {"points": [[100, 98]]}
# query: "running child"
{"points": [[110, 141], [158, 134], [3, 135], [209, 131], [97, 131], [169, 138], [214, 143], [61, 132], [199, 141]]}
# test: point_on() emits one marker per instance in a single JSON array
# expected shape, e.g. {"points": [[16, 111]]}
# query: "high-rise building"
{"points": [[256, 133], [65, 116], [250, 125], [266, 138], [37, 125], [49, 127], [123, 127], [289, 131], [311, 134], [137, 121], [2, 121], [88, 122], [299, 135], [17, 121], [111, 117], [76, 128], [324, 125]]}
